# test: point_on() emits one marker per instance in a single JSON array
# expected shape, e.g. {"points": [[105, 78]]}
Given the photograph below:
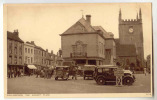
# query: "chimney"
{"points": [[51, 51], [32, 42], [46, 50], [16, 32], [88, 18]]}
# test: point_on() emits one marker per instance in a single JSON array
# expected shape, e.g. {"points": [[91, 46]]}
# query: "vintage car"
{"points": [[62, 72], [88, 71], [105, 73]]}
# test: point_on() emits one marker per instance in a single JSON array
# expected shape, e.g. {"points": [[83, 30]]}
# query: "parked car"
{"points": [[105, 73], [88, 71], [62, 72]]}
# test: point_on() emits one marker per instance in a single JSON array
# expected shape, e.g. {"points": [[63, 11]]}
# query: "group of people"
{"points": [[46, 73], [13, 73]]}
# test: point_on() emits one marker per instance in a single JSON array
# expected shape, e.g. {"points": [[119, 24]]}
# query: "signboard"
{"points": [[119, 73]]}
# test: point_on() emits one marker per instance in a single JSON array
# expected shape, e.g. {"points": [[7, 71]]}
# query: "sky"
{"points": [[42, 23]]}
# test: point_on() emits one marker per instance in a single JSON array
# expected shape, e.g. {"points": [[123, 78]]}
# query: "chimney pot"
{"points": [[88, 18], [16, 32]]}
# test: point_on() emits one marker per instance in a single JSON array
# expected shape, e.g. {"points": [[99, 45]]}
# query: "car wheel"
{"points": [[128, 81], [56, 78], [101, 81]]}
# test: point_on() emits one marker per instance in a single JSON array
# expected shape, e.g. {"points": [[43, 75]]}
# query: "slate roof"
{"points": [[38, 47], [14, 37], [125, 49], [87, 28], [105, 34]]}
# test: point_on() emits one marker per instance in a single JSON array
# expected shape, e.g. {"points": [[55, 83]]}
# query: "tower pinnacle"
{"points": [[140, 14], [120, 14]]}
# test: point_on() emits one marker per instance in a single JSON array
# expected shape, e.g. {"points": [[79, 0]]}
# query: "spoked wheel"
{"points": [[128, 81], [101, 81]]}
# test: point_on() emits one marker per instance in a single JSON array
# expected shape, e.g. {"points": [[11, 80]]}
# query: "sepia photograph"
{"points": [[78, 50]]}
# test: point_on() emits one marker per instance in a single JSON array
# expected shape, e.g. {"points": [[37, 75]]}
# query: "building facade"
{"points": [[131, 33], [39, 57], [15, 53], [29, 57], [50, 59], [87, 44]]}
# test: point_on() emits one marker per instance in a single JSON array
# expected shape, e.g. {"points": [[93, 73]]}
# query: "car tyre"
{"points": [[56, 78], [128, 81], [100, 81]]}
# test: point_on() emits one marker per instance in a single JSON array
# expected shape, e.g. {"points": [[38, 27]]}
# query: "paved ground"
{"points": [[32, 85]]}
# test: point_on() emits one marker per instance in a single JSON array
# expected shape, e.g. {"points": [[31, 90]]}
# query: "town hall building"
{"points": [[87, 44]]}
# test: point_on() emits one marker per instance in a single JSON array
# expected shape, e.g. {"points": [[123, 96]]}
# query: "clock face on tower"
{"points": [[131, 30]]}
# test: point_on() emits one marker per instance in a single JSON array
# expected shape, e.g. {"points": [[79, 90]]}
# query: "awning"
{"points": [[31, 67]]}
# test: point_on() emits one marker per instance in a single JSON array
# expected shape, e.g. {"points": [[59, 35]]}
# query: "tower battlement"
{"points": [[130, 20], [138, 19], [127, 21]]}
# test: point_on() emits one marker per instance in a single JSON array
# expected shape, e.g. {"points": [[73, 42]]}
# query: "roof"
{"points": [[38, 47], [83, 26], [125, 50], [82, 23], [105, 34], [14, 36]]}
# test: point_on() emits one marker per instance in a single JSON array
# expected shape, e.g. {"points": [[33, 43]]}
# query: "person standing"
{"points": [[38, 73], [145, 71], [75, 73]]}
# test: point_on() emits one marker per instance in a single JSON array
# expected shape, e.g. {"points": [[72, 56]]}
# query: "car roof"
{"points": [[107, 66], [63, 66]]}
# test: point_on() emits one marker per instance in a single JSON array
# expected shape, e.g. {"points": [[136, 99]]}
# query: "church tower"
{"points": [[131, 32]]}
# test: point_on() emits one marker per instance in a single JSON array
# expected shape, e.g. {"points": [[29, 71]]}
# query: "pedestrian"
{"points": [[38, 73], [145, 72], [15, 73], [12, 71], [45, 73], [75, 70], [9, 73]]}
